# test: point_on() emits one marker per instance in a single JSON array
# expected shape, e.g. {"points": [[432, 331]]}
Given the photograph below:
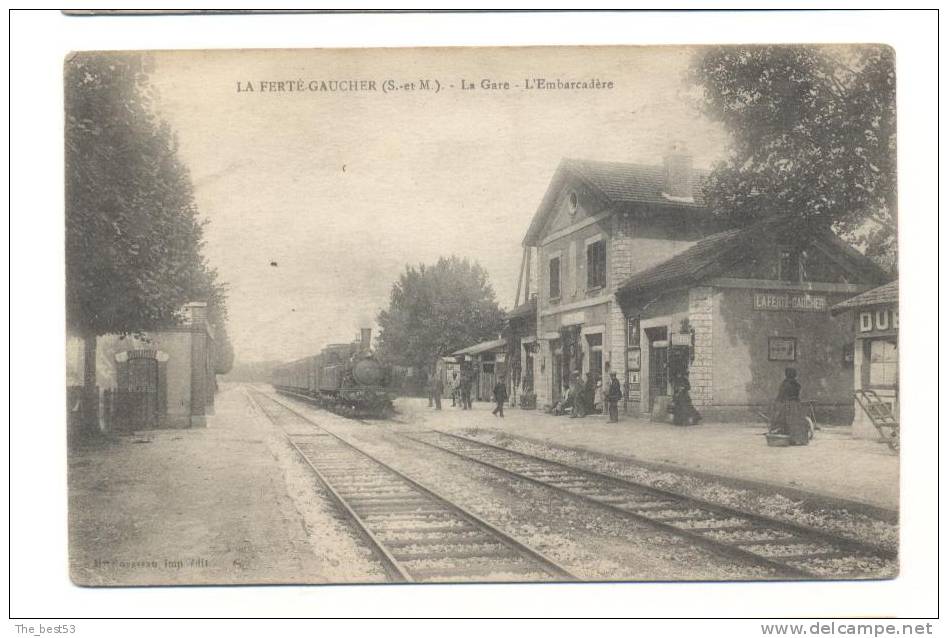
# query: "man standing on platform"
{"points": [[454, 389], [577, 391], [612, 398], [466, 390], [500, 397]]}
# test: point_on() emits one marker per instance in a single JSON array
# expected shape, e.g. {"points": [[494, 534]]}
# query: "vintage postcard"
{"points": [[482, 315]]}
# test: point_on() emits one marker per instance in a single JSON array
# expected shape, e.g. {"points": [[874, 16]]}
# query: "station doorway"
{"points": [[657, 363]]}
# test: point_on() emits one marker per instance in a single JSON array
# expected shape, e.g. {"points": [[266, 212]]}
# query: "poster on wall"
{"points": [[635, 359], [782, 349]]}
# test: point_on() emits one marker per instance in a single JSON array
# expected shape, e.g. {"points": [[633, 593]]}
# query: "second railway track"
{"points": [[417, 535], [789, 550]]}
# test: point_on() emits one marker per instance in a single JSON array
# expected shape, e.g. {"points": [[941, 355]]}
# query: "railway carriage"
{"points": [[344, 377]]}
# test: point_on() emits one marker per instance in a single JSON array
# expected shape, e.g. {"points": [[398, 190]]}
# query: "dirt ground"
{"points": [[230, 503]]}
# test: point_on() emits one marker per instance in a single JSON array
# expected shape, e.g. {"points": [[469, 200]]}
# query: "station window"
{"points": [[791, 264], [596, 264], [883, 362], [554, 277]]}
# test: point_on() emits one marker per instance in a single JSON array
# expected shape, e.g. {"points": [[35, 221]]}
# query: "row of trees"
{"points": [[812, 133], [134, 239]]}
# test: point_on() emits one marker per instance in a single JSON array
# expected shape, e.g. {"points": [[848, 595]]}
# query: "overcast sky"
{"points": [[342, 190]]}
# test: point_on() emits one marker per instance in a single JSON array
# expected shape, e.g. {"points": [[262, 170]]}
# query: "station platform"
{"points": [[201, 506], [835, 467]]}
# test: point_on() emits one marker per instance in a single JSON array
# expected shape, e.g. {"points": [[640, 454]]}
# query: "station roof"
{"points": [[885, 294], [484, 346], [621, 183], [626, 182], [715, 253]]}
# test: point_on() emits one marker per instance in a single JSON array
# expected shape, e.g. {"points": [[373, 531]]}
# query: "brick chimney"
{"points": [[679, 176], [366, 338]]}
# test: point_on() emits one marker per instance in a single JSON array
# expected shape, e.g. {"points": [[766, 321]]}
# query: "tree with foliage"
{"points": [[436, 310], [133, 235], [812, 134]]}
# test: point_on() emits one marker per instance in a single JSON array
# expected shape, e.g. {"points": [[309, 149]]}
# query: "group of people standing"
{"points": [[459, 388], [585, 397]]}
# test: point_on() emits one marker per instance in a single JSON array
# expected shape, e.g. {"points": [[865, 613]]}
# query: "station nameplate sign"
{"points": [[799, 302], [573, 318]]}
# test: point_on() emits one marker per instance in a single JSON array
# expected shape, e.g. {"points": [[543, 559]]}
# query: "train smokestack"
{"points": [[366, 338]]}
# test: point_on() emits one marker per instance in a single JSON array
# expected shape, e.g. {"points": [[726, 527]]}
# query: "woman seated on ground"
{"points": [[683, 409], [788, 413], [564, 405]]}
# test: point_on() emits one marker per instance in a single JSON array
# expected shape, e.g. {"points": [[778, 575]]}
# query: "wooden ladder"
{"points": [[880, 413]]}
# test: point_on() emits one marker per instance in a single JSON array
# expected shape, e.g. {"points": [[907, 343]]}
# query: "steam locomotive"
{"points": [[346, 378]]}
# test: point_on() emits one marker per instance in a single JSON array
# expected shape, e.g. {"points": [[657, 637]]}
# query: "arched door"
{"points": [[143, 392]]}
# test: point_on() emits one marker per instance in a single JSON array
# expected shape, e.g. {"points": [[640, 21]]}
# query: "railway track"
{"points": [[417, 535], [789, 550]]}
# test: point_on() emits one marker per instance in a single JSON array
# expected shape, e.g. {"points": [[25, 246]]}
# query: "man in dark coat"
{"points": [[465, 390], [612, 398], [500, 397]]}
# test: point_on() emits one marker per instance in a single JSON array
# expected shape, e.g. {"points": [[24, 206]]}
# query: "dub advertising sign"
{"points": [[800, 302]]}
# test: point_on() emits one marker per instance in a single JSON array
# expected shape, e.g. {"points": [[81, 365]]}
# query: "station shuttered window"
{"points": [[596, 264], [555, 278]]}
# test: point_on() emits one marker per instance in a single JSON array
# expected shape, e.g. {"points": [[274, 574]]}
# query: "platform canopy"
{"points": [[881, 296], [484, 346]]}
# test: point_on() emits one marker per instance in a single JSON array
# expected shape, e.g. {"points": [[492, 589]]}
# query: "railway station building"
{"points": [[597, 224], [735, 310], [633, 275], [161, 379]]}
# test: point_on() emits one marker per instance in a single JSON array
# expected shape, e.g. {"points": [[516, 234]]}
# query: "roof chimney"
{"points": [[679, 177], [366, 338]]}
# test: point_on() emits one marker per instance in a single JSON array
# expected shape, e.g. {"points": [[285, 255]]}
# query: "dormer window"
{"points": [[791, 264], [573, 203]]}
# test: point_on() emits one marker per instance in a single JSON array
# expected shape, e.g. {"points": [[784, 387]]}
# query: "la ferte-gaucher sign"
{"points": [[801, 302]]}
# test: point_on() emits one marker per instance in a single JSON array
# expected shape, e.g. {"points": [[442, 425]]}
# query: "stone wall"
{"points": [[615, 325], [700, 314]]}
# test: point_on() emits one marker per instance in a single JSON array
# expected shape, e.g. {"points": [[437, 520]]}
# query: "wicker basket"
{"points": [[778, 440]]}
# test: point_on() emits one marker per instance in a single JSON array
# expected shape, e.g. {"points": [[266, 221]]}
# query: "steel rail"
{"points": [[543, 562], [678, 500], [389, 564]]}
